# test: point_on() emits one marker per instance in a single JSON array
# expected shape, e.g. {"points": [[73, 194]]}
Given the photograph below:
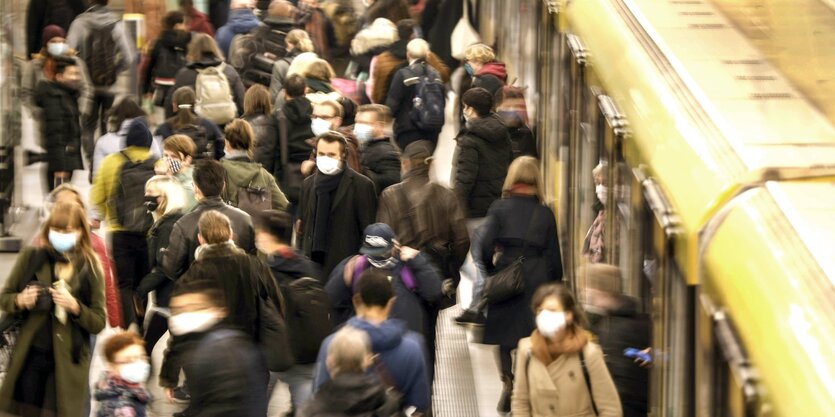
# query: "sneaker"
{"points": [[181, 395], [470, 318]]}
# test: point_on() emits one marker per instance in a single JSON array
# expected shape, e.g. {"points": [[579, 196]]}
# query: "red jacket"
{"points": [[200, 22]]}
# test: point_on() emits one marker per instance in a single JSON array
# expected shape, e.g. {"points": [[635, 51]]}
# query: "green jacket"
{"points": [[71, 379], [240, 173]]}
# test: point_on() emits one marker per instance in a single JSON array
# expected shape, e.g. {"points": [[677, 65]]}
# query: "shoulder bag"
{"points": [[509, 282]]}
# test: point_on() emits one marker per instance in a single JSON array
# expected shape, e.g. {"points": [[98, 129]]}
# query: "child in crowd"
{"points": [[121, 390]]}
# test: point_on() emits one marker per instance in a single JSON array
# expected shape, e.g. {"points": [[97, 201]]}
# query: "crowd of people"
{"points": [[280, 222]]}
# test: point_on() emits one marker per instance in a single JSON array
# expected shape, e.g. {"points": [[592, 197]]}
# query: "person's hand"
{"points": [[95, 224], [307, 167], [407, 253], [169, 394], [27, 298], [63, 298], [642, 363]]}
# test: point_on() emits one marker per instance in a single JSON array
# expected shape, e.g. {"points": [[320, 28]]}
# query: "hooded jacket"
{"points": [[483, 155], [241, 173], [187, 77], [110, 143], [99, 16], [61, 130], [351, 395], [298, 112], [240, 21], [200, 22], [400, 351], [170, 44], [491, 77]]}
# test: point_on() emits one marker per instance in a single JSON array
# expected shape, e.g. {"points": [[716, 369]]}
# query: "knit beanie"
{"points": [[138, 134], [52, 31]]}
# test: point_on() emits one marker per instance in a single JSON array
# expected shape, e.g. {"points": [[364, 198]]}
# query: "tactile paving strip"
{"points": [[454, 388]]}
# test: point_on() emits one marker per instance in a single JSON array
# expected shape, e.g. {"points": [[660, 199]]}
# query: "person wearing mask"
{"points": [[121, 389], [486, 72], [121, 116], [258, 112], [196, 20], [241, 20], [400, 352], [106, 58], [298, 42], [209, 183], [427, 216], [166, 200], [594, 245], [41, 14], [130, 249], [167, 57], [547, 363], [61, 131], [242, 174], [616, 320], [178, 152], [336, 205], [328, 116], [207, 137], [295, 122], [517, 226], [226, 372], [379, 158], [58, 290], [203, 53], [353, 390], [403, 94]]}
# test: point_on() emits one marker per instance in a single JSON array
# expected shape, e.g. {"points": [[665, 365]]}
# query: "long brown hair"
{"points": [[183, 98], [257, 101], [66, 215], [201, 45], [569, 304], [240, 135]]}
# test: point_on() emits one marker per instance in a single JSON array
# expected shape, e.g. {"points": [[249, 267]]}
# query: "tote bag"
{"points": [[463, 35]]}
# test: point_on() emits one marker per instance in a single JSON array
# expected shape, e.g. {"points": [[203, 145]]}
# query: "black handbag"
{"points": [[509, 282]]}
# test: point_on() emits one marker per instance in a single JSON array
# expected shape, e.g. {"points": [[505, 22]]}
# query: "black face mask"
{"points": [[151, 203]]}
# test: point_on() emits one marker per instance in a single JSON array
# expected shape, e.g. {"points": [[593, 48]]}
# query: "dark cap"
{"points": [[139, 134], [418, 151], [378, 239], [52, 31]]}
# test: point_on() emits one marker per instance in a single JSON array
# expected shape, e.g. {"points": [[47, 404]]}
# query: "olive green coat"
{"points": [[71, 379]]}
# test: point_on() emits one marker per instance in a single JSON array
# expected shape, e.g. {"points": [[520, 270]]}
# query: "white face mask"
{"points": [[328, 165], [549, 323], [602, 192], [57, 48], [194, 322], [136, 372], [319, 126]]}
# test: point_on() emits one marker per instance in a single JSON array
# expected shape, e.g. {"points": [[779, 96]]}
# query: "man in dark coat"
{"points": [[379, 158], [336, 205], [58, 100], [209, 182], [618, 324]]}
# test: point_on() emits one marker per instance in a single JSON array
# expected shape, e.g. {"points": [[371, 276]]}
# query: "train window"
{"points": [[678, 325], [734, 390]]}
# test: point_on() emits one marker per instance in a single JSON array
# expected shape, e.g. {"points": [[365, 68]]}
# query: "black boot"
{"points": [[504, 400]]}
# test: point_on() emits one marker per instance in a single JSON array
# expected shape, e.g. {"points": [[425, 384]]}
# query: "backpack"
{"points": [[198, 134], [254, 198], [429, 101], [253, 54], [361, 264], [213, 99], [129, 199], [273, 337], [310, 321], [169, 62], [100, 55]]}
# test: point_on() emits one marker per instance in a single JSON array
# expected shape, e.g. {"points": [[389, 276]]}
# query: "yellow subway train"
{"points": [[716, 124]]}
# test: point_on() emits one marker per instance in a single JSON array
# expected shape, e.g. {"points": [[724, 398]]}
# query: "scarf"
{"points": [[547, 350], [325, 186]]}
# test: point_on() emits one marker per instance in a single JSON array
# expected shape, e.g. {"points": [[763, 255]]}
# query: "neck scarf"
{"points": [[547, 350], [325, 187]]}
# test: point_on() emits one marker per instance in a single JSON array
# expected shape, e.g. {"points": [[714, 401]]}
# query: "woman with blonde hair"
{"points": [[166, 200], [203, 53], [57, 290], [547, 383], [518, 228], [298, 42]]}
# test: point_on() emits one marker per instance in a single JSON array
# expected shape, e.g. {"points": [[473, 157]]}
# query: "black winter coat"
{"points": [[162, 60], [298, 112], [187, 77], [381, 163], [483, 155], [348, 395], [399, 100], [266, 141], [183, 241], [353, 207], [508, 226], [156, 280], [213, 134], [61, 125], [621, 328]]}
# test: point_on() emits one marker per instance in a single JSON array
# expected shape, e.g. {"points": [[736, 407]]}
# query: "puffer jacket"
{"points": [[241, 173], [381, 163], [60, 125], [483, 155], [266, 141], [34, 74], [187, 77]]}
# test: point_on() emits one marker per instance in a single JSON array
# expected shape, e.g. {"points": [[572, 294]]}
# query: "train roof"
{"points": [[709, 112]]}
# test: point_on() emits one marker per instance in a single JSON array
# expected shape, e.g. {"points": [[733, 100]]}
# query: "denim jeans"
{"points": [[477, 271], [300, 380]]}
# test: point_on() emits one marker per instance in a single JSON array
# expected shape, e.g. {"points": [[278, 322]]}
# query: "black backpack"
{"points": [[101, 55], [258, 51], [169, 62], [309, 319], [430, 98], [198, 134], [129, 199]]}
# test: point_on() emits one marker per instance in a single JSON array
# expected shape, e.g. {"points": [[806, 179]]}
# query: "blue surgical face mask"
{"points": [[319, 126], [57, 48], [363, 132], [469, 69], [62, 242]]}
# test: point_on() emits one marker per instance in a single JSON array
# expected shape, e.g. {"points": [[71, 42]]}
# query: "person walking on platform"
{"points": [[102, 41], [209, 182], [205, 134], [121, 116], [196, 20], [379, 157], [401, 362], [167, 57], [298, 42], [486, 72], [241, 20], [178, 151], [336, 205], [258, 112], [547, 381]]}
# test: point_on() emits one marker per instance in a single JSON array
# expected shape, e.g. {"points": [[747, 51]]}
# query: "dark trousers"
{"points": [[35, 388], [506, 361], [130, 254], [157, 326], [102, 102]]}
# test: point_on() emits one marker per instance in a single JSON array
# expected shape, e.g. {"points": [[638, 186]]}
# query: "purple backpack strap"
{"points": [[360, 265], [408, 278]]}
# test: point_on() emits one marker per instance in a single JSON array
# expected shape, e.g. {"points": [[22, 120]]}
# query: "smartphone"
{"points": [[637, 354]]}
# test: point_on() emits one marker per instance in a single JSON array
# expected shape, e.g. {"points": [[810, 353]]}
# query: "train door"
{"points": [[577, 130]]}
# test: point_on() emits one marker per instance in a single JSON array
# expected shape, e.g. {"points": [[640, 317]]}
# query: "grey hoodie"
{"points": [[98, 16]]}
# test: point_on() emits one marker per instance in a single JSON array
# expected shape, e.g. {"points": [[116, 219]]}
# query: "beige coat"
{"points": [[558, 389]]}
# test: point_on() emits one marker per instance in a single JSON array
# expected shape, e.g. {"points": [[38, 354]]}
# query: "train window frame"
{"points": [[576, 67]]}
